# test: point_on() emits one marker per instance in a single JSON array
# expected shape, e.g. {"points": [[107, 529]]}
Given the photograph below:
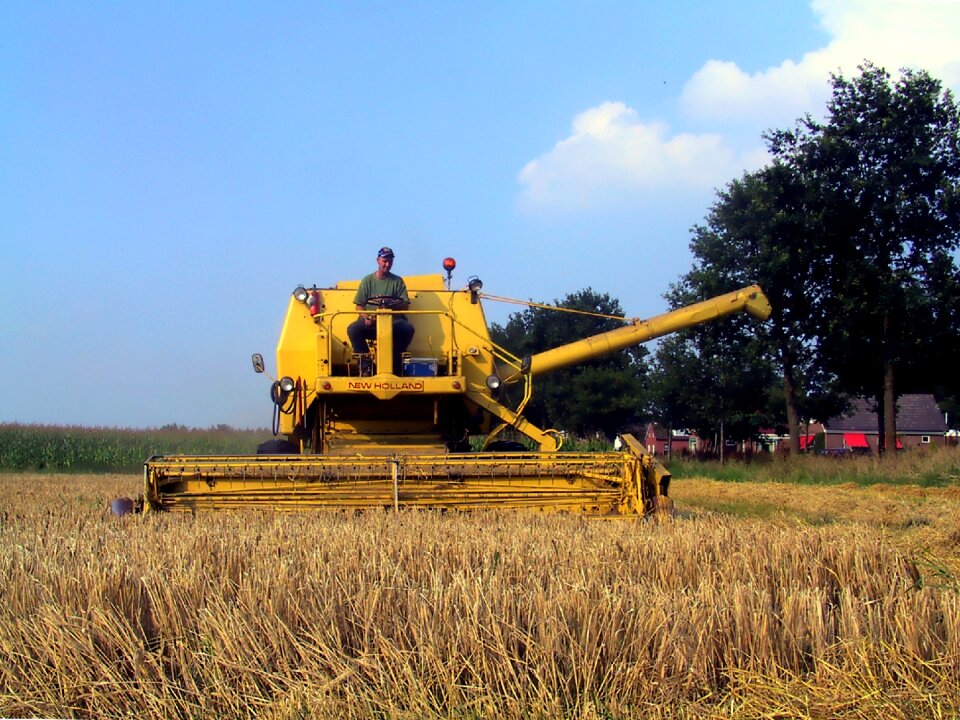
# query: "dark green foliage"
{"points": [[599, 396], [883, 175], [852, 232], [77, 449]]}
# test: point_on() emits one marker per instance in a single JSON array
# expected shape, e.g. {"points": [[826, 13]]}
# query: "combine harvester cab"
{"points": [[358, 431]]}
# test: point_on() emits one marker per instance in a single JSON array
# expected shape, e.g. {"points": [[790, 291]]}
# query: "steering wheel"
{"points": [[386, 302]]}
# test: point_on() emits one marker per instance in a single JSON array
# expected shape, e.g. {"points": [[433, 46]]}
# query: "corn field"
{"points": [[79, 449], [726, 611]]}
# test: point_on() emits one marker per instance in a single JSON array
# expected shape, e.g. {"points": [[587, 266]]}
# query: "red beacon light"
{"points": [[449, 264]]}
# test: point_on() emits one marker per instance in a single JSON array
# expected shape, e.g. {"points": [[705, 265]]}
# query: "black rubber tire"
{"points": [[278, 447], [506, 446]]}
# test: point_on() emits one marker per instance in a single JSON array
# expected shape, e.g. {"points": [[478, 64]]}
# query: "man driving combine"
{"points": [[381, 289]]}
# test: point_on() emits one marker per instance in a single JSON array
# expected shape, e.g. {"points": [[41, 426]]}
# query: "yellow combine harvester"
{"points": [[400, 436]]}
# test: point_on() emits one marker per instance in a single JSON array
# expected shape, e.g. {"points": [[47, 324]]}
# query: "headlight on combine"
{"points": [[474, 285], [493, 382], [286, 384], [300, 293]]}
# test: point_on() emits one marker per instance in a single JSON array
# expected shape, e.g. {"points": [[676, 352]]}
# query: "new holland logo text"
{"points": [[397, 385]]}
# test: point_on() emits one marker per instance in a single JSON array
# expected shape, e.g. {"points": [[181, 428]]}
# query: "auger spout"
{"points": [[749, 299]]}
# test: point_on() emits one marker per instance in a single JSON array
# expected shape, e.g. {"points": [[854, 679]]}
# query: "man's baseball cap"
{"points": [[385, 252]]}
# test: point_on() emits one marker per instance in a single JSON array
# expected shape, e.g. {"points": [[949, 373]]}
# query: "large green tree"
{"points": [[883, 179], [763, 229], [603, 395], [852, 232]]}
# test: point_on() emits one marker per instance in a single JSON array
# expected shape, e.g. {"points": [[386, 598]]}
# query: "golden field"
{"points": [[760, 600]]}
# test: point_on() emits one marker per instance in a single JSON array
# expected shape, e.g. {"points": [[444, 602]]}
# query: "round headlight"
{"points": [[300, 293], [286, 384], [493, 382]]}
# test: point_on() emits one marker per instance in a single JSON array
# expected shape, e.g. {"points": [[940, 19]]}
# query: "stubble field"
{"points": [[759, 600]]}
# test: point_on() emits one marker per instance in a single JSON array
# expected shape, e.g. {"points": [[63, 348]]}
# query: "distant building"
{"points": [[769, 440], [677, 442], [919, 423]]}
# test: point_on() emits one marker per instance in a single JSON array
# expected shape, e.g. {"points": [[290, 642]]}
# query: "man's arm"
{"points": [[405, 305], [368, 319], [361, 298]]}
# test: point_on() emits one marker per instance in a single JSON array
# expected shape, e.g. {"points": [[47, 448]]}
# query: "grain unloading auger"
{"points": [[399, 436]]}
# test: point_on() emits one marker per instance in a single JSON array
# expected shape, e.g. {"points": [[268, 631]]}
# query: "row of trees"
{"points": [[852, 230]]}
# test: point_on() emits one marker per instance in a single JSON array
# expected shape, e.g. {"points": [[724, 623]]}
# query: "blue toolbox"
{"points": [[420, 367]]}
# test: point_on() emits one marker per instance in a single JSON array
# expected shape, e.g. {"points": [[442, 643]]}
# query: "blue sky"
{"points": [[170, 171]]}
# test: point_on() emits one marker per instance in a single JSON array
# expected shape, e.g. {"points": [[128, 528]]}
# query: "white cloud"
{"points": [[721, 91], [920, 34], [613, 156]]}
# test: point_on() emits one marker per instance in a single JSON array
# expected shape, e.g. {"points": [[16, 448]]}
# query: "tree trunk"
{"points": [[722, 439], [669, 448], [878, 399], [888, 429], [889, 408], [793, 419]]}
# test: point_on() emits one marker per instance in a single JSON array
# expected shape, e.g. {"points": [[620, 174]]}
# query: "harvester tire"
{"points": [[506, 446], [278, 447]]}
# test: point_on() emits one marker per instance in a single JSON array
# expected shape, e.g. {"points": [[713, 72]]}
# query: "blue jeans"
{"points": [[359, 332]]}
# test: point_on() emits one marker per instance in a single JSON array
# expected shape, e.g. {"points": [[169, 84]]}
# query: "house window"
{"points": [[925, 439]]}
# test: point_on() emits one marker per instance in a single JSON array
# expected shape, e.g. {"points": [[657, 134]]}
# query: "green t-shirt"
{"points": [[372, 286]]}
